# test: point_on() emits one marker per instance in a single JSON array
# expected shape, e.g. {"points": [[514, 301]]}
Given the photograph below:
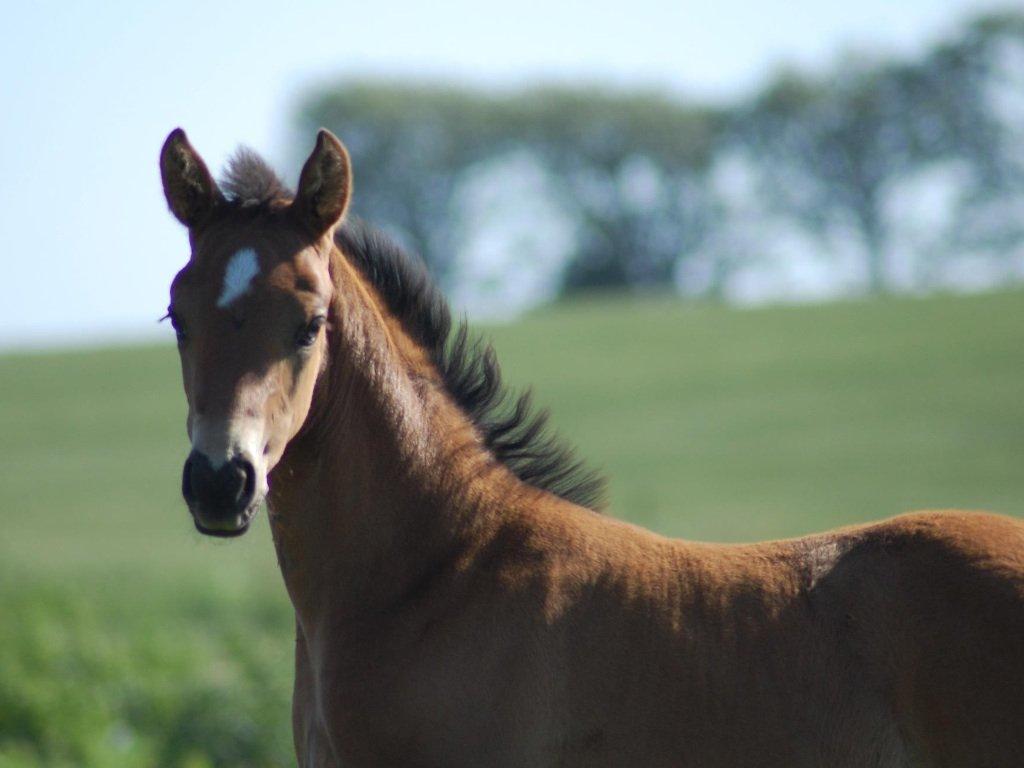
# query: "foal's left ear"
{"points": [[325, 185]]}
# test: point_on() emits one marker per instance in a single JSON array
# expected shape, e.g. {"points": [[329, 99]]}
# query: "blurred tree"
{"points": [[978, 81], [907, 163], [828, 151], [626, 167], [631, 169], [832, 150], [410, 144]]}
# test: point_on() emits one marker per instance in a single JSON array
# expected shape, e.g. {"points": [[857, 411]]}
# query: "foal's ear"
{"points": [[325, 184], [190, 189]]}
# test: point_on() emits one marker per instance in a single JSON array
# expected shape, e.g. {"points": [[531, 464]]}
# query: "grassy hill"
{"points": [[129, 640]]}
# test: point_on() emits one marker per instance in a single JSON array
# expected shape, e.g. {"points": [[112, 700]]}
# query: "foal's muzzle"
{"points": [[222, 500]]}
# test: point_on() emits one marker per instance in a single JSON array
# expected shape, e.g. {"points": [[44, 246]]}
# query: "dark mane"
{"points": [[515, 433]]}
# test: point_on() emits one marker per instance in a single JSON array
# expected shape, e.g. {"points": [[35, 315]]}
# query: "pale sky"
{"points": [[90, 90]]}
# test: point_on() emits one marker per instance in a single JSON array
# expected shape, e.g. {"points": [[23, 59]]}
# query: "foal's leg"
{"points": [[312, 748]]}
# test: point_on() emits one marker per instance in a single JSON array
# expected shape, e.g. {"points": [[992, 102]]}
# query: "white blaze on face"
{"points": [[241, 269], [221, 440]]}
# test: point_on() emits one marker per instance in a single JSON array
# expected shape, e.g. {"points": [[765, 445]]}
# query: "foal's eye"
{"points": [[307, 334]]}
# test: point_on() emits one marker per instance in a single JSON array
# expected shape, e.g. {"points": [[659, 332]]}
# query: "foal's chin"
{"points": [[224, 526]]}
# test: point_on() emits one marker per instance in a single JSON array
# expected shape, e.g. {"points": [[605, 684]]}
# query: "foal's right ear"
{"points": [[190, 189]]}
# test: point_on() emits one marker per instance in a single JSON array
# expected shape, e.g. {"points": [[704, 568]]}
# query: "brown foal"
{"points": [[458, 604]]}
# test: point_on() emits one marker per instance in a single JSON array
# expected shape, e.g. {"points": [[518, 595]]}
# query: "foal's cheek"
{"points": [[306, 378]]}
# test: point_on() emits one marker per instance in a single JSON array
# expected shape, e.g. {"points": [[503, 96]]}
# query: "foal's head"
{"points": [[249, 310]]}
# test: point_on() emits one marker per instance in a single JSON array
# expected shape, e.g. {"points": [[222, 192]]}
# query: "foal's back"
{"points": [[900, 643]]}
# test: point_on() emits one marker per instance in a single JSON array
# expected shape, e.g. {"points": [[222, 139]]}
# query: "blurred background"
{"points": [[763, 261]]}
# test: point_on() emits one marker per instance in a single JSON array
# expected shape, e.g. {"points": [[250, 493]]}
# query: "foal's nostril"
{"points": [[247, 472], [186, 481]]}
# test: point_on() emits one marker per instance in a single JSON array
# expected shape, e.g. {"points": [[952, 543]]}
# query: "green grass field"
{"points": [[126, 639]]}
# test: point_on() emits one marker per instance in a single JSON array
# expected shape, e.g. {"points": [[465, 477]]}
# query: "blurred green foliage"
{"points": [[126, 639], [136, 670]]}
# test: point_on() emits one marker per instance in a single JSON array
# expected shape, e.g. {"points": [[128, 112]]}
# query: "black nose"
{"points": [[222, 492]]}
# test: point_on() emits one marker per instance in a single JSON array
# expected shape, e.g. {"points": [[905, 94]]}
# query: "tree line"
{"points": [[884, 174]]}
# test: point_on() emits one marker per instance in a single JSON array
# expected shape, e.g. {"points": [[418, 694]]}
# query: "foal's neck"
{"points": [[387, 481]]}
